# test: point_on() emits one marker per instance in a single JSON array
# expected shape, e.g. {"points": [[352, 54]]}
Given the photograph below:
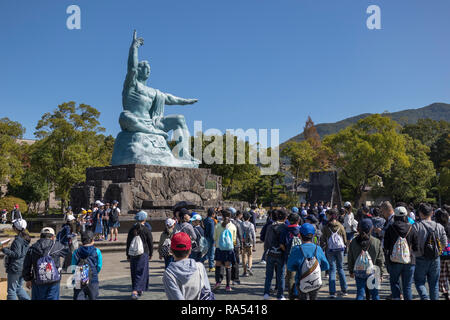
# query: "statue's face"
{"points": [[143, 70]]}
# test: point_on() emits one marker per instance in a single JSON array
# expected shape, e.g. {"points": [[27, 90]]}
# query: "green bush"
{"points": [[9, 202]]}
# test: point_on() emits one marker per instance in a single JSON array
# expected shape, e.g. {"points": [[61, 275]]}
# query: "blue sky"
{"points": [[251, 63]]}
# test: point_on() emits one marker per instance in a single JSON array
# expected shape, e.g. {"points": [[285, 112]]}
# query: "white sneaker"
{"points": [[282, 298], [266, 297], [263, 262]]}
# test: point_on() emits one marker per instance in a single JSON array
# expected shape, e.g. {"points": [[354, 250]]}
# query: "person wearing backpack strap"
{"points": [[184, 278], [248, 244], [196, 221], [333, 242], [165, 241], [88, 257], [210, 224], [139, 252], [298, 255], [225, 235], [400, 239], [431, 242], [365, 246], [238, 246], [14, 258], [275, 256], [114, 222], [289, 238], [41, 268]]}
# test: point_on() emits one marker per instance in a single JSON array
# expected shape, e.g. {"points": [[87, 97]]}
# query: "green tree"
{"points": [[70, 141], [301, 156], [366, 150], [34, 189], [410, 181], [11, 169]]}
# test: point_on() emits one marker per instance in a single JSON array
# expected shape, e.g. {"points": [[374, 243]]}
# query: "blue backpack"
{"points": [[226, 240], [45, 270]]}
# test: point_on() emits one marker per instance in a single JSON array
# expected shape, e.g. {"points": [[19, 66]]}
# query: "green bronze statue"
{"points": [[143, 139]]}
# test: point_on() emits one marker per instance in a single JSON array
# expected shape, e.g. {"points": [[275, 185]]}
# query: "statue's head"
{"points": [[143, 70]]}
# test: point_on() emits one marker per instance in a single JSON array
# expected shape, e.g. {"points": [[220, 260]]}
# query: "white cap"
{"points": [[400, 212], [19, 224], [347, 204], [48, 230], [170, 222], [196, 217]]}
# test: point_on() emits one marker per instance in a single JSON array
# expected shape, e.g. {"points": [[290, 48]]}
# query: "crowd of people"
{"points": [[301, 246]]}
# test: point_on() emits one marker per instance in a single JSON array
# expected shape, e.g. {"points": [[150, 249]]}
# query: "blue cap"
{"points": [[366, 225], [141, 216], [294, 209], [307, 228], [233, 210]]}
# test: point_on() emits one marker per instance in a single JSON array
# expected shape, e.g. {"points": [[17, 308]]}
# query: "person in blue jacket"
{"points": [[296, 258], [94, 259]]}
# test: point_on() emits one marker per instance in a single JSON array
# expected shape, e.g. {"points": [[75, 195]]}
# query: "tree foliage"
{"points": [[366, 150], [11, 169], [70, 141]]}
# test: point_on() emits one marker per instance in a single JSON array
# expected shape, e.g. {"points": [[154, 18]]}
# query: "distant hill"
{"points": [[435, 111]]}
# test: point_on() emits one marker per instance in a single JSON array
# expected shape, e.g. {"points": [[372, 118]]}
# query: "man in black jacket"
{"points": [[46, 245]]}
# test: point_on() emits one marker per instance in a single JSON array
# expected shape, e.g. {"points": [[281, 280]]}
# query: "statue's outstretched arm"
{"points": [[170, 99], [133, 59]]}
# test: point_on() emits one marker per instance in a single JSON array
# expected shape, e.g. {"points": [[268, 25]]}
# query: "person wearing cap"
{"points": [[196, 222], [166, 234], [428, 267], [184, 278], [105, 221], [98, 221], [139, 264], [209, 224], [307, 250], [68, 213], [400, 228], [365, 241], [15, 213], [46, 245], [114, 223], [94, 259], [65, 236], [253, 214], [14, 257]]}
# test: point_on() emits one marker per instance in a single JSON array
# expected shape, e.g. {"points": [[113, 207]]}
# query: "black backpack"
{"points": [[432, 248], [114, 215]]}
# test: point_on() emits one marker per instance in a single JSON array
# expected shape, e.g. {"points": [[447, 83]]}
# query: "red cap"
{"points": [[17, 206], [180, 242]]}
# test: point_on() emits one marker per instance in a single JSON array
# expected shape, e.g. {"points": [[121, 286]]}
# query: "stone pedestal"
{"points": [[154, 189]]}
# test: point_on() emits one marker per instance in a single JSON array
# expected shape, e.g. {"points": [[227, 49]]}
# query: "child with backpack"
{"points": [[197, 253], [184, 278], [364, 253], [41, 269], [87, 261], [431, 242], [249, 244], [333, 241], [14, 257], [307, 261], [400, 241], [139, 252], [164, 242], [225, 235]]}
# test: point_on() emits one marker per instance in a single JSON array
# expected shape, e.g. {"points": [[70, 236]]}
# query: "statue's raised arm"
{"points": [[133, 61]]}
